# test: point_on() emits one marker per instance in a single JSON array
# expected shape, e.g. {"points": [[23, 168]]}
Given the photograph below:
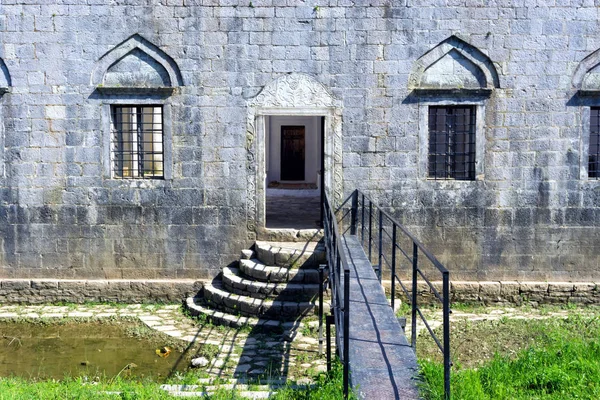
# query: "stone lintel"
{"points": [[456, 92], [588, 92], [165, 91]]}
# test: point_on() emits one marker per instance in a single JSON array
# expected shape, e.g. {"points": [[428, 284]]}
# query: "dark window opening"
{"points": [[137, 142], [594, 149], [452, 142]]}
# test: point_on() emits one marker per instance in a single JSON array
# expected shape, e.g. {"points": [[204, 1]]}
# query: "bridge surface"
{"points": [[382, 362]]}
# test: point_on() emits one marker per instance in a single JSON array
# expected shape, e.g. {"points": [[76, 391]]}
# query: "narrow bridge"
{"points": [[378, 360]]}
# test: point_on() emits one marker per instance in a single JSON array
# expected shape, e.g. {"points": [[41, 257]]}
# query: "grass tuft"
{"points": [[563, 363]]}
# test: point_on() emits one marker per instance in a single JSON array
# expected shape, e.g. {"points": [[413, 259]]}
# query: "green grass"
{"points": [[66, 389], [326, 387], [563, 362]]}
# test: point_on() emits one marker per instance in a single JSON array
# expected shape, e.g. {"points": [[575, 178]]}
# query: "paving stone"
{"points": [[80, 314]]}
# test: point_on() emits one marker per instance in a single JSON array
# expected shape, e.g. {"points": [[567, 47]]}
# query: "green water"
{"points": [[45, 351]]}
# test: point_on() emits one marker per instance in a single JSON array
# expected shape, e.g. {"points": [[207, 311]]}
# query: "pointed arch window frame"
{"points": [[115, 96], [427, 97], [469, 52], [3, 91], [122, 50], [586, 99]]}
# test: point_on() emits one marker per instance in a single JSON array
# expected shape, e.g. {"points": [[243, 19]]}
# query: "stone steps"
{"points": [[196, 307], [244, 391], [277, 281], [217, 297], [206, 388], [290, 254], [235, 283], [255, 269]]}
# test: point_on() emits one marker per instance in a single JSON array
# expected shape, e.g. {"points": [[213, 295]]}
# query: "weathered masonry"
{"points": [[153, 139]]}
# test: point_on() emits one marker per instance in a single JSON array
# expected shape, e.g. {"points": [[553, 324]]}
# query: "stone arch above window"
{"points": [[5, 81], [586, 78], [136, 64], [454, 65]]}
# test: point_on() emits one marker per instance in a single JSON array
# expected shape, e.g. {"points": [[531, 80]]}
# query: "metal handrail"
{"points": [[362, 204], [339, 280]]}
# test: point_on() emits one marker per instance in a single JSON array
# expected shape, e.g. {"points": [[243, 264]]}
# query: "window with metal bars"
{"points": [[594, 148], [452, 142], [137, 142]]}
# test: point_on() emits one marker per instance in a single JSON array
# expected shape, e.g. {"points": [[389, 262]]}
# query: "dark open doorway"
{"points": [[293, 148], [294, 163]]}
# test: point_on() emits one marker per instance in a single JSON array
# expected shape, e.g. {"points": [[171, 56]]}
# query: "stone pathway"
{"points": [[293, 212], [238, 353], [489, 313]]}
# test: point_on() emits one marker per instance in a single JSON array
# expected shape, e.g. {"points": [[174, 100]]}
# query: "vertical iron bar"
{"points": [[354, 214], [393, 288], [328, 322], [140, 143], [413, 330], [370, 231], [446, 316], [362, 220], [322, 166], [321, 290], [346, 330], [379, 265]]}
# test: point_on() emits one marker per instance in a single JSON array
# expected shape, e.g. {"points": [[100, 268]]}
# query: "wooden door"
{"points": [[292, 153]]}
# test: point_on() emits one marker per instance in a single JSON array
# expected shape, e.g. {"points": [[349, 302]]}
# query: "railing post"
{"points": [[329, 319], [447, 363], [354, 214], [393, 288], [413, 330], [321, 290], [362, 219], [370, 231], [346, 330], [379, 264]]}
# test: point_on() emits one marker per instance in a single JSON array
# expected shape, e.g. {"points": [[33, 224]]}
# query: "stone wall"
{"points": [[38, 291], [508, 293], [532, 213]]}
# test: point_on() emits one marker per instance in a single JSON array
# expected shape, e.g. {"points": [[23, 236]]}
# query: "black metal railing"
{"points": [[396, 247], [339, 281]]}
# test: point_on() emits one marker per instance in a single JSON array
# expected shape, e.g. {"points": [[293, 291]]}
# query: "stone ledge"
{"points": [[38, 291], [163, 91], [511, 292]]}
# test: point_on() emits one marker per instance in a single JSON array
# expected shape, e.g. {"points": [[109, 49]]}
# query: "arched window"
{"points": [[135, 80], [586, 80], [451, 84], [5, 84]]}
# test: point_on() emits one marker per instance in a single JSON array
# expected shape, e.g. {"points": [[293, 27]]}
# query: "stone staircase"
{"points": [[273, 287], [207, 387]]}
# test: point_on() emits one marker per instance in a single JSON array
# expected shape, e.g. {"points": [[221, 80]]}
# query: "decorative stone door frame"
{"points": [[290, 95]]}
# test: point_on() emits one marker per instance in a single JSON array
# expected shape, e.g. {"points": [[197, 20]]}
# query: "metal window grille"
{"points": [[594, 149], [137, 142], [452, 142]]}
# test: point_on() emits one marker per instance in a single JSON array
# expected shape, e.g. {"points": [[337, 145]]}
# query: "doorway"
{"points": [[293, 149], [294, 165]]}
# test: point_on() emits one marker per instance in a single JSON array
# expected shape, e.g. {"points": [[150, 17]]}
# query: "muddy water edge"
{"points": [[99, 348]]}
